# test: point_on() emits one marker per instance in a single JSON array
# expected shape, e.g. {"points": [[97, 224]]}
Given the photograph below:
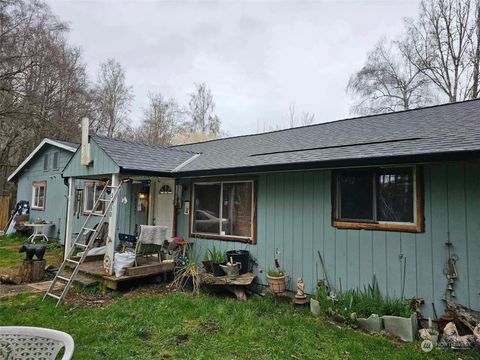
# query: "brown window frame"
{"points": [[35, 185], [210, 236], [416, 227]]}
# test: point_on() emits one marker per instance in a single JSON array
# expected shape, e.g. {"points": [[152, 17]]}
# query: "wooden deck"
{"points": [[93, 267]]}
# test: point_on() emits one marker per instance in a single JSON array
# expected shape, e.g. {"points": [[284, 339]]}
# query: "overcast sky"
{"points": [[257, 57]]}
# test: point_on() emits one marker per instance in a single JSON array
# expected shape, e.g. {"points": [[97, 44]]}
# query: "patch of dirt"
{"points": [[180, 339], [210, 326], [93, 301]]}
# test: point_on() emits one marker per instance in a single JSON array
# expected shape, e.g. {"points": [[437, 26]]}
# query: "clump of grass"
{"points": [[217, 256], [188, 272], [361, 302]]}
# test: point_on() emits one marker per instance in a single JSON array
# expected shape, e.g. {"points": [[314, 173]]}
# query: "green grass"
{"points": [[10, 258], [178, 326]]}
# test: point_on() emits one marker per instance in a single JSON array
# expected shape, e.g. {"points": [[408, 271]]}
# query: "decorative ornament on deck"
{"points": [[300, 297]]}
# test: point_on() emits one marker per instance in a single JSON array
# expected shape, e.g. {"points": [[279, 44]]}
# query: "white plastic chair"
{"points": [[24, 342]]}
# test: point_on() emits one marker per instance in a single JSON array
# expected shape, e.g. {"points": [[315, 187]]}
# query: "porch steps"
{"points": [[63, 275]]}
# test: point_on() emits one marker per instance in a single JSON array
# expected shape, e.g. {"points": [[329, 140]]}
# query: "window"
{"points": [[224, 210], [166, 189], [92, 191], [45, 162], [384, 198], [39, 190], [56, 158]]}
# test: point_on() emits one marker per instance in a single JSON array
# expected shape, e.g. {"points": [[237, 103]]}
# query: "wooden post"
{"points": [[32, 271], [69, 221], [112, 230]]}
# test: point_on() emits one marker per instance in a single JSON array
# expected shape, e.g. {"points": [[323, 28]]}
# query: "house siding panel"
{"points": [[55, 201], [303, 207]]}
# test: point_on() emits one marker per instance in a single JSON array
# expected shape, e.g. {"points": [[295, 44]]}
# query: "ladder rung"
{"points": [[89, 229], [53, 295], [81, 245], [72, 261], [113, 186], [104, 200], [96, 214], [63, 278]]}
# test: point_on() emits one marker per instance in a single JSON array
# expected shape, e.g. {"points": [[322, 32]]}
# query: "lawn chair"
{"points": [[23, 342], [150, 241]]}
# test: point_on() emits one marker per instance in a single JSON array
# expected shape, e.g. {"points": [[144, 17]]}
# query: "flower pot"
{"points": [[277, 284], [315, 307], [373, 323], [404, 328], [217, 270], [207, 265]]}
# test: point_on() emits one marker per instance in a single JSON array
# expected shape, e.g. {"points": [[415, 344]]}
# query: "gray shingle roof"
{"points": [[141, 157], [449, 128]]}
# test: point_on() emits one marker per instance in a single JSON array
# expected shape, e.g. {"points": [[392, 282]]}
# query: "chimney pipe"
{"points": [[85, 151]]}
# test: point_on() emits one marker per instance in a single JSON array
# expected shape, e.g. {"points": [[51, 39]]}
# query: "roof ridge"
{"points": [[331, 122], [141, 143]]}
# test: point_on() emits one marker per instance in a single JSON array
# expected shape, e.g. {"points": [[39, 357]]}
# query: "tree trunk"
{"points": [[32, 271], [468, 317]]}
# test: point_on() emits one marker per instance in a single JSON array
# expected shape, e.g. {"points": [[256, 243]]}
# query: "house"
{"points": [[392, 196], [39, 181]]}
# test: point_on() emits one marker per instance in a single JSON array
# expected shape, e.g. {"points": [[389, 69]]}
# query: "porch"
{"points": [[93, 268], [140, 201]]}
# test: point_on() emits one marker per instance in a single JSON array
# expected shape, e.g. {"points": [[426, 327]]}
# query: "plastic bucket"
{"points": [[241, 256]]}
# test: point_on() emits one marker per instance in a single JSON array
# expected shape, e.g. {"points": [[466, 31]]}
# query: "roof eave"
{"points": [[34, 152], [341, 163]]}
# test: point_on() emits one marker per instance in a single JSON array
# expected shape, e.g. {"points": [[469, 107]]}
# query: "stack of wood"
{"points": [[464, 330]]}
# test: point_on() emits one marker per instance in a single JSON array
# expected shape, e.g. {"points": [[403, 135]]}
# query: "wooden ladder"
{"points": [[104, 200]]}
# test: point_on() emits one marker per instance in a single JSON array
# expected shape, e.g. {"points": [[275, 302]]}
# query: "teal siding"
{"points": [[294, 222], [56, 201], [102, 163], [128, 218]]}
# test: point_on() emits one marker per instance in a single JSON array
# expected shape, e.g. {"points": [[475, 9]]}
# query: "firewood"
{"points": [[468, 317]]}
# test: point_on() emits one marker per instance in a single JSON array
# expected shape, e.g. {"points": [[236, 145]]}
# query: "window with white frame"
{"points": [[224, 209], [39, 191], [91, 193]]}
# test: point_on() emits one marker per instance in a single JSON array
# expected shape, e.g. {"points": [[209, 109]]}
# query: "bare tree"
{"points": [[161, 122], [202, 112], [43, 86], [388, 81], [442, 40], [305, 118], [113, 98]]}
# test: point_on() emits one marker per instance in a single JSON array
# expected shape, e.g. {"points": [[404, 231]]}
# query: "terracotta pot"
{"points": [[277, 284]]}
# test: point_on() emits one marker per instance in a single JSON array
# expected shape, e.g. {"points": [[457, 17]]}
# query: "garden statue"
{"points": [[300, 297]]}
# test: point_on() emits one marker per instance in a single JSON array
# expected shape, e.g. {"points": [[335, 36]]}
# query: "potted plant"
{"points": [[217, 257], [276, 279], [207, 263]]}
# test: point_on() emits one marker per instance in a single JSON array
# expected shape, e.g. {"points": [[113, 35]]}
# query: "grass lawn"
{"points": [[163, 325], [10, 258]]}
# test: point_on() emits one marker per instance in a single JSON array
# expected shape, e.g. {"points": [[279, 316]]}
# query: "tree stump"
{"points": [[32, 271]]}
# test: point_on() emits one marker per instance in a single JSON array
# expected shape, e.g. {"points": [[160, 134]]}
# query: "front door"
{"points": [[164, 205]]}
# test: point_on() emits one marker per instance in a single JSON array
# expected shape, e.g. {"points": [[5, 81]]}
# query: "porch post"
{"points": [[69, 220], [112, 229]]}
